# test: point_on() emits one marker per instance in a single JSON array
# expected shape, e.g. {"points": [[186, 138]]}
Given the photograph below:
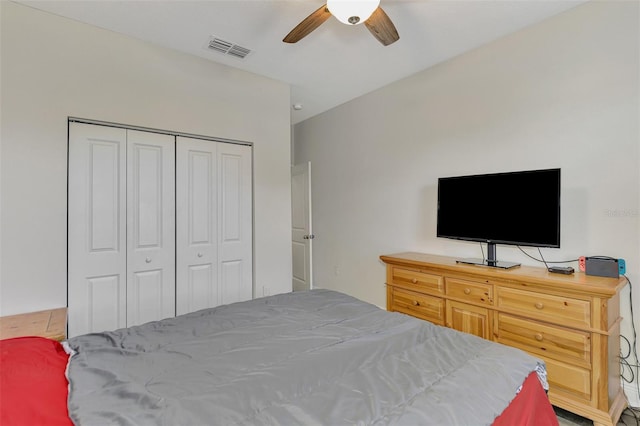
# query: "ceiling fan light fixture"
{"points": [[352, 12]]}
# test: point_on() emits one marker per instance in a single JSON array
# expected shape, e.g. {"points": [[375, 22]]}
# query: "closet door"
{"points": [[150, 227], [214, 224], [235, 237], [121, 255], [196, 225], [97, 251]]}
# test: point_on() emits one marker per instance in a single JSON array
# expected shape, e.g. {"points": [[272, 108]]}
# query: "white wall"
{"points": [[563, 93], [53, 68]]}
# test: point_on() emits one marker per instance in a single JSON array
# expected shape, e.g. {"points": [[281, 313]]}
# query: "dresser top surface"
{"points": [[531, 274]]}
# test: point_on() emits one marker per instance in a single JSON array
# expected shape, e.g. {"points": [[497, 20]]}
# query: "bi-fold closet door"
{"points": [[158, 225], [214, 241]]}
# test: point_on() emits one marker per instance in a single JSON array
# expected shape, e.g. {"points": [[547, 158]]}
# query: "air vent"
{"points": [[228, 48]]}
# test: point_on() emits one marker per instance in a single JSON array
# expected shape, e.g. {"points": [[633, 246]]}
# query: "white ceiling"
{"points": [[333, 64]]}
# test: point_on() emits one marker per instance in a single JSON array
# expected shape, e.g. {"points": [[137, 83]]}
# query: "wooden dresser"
{"points": [[572, 322], [51, 324]]}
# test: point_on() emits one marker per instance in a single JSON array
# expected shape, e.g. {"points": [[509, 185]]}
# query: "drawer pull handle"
{"points": [[414, 280], [539, 305], [538, 337], [416, 303], [467, 291]]}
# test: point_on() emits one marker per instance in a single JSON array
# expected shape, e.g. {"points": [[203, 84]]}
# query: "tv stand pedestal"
{"points": [[492, 259], [572, 322]]}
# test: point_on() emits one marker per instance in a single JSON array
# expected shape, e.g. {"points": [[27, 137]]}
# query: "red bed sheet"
{"points": [[531, 407], [33, 386]]}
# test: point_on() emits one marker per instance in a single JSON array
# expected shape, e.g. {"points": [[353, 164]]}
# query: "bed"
{"points": [[315, 357]]}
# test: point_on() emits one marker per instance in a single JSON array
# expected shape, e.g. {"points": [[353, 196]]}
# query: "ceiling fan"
{"points": [[350, 12]]}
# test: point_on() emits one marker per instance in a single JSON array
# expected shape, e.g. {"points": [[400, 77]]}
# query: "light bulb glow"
{"points": [[346, 10]]}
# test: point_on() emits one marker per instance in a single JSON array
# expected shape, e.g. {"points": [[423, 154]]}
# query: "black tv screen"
{"points": [[517, 208]]}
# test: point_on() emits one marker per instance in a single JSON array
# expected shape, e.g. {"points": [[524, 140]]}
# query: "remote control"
{"points": [[567, 270]]}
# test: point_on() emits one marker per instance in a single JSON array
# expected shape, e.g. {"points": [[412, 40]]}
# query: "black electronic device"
{"points": [[567, 270], [602, 266], [516, 208]]}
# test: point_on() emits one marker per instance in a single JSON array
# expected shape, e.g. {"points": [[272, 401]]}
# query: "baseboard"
{"points": [[631, 392]]}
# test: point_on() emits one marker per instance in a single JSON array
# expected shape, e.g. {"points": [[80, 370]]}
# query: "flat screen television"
{"points": [[517, 208]]}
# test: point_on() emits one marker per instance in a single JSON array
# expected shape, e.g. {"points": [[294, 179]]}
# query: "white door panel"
{"points": [[231, 282], [97, 228], [235, 232], [104, 195], [199, 281], [147, 296], [150, 227], [105, 309], [196, 218], [302, 233]]}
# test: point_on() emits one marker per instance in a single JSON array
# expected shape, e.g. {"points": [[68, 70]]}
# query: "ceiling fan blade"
{"points": [[381, 27], [307, 25]]}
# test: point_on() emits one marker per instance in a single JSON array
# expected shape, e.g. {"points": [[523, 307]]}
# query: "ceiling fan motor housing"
{"points": [[374, 18], [352, 12]]}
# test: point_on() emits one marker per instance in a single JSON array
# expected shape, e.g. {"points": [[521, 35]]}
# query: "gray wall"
{"points": [[562, 93]]}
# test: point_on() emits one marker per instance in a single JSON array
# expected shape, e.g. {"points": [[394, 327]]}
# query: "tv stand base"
{"points": [[493, 264]]}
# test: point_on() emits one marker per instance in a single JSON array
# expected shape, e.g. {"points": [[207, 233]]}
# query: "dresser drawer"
{"points": [[418, 281], [469, 291], [563, 344], [546, 307], [568, 379], [418, 305]]}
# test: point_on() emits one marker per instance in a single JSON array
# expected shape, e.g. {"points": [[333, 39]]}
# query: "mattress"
{"points": [[312, 357]]}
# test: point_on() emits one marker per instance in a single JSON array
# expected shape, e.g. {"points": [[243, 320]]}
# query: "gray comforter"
{"points": [[303, 358]]}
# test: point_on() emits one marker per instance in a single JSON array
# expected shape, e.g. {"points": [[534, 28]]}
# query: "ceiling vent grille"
{"points": [[228, 48]]}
